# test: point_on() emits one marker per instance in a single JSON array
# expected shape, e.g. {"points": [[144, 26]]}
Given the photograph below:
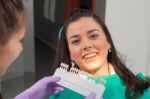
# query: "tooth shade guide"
{"points": [[79, 81]]}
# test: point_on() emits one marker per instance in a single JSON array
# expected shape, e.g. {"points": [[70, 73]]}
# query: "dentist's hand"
{"points": [[42, 89], [92, 95]]}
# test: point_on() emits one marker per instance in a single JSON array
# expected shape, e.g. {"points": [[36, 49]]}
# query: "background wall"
{"points": [[29, 46], [129, 24]]}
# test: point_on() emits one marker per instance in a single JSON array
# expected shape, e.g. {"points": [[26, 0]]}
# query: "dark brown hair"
{"points": [[133, 83], [11, 16]]}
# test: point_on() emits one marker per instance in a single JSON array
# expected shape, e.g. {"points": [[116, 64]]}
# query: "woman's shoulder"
{"points": [[146, 94], [141, 75]]}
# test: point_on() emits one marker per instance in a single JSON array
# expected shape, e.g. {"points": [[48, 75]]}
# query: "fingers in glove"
{"points": [[50, 79], [92, 95]]}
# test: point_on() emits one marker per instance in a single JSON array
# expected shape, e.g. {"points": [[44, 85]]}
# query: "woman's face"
{"points": [[87, 44], [11, 50]]}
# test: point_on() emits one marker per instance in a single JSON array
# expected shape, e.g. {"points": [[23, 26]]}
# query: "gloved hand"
{"points": [[41, 89], [92, 95]]}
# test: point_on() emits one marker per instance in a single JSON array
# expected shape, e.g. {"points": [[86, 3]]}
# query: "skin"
{"points": [[88, 46], [11, 50]]}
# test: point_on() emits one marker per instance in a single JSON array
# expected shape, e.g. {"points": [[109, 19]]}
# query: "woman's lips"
{"points": [[89, 55]]}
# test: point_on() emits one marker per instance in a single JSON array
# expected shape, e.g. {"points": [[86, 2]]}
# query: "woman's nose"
{"points": [[86, 44], [87, 47]]}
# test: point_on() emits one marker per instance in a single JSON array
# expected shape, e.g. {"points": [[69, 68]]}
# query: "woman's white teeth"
{"points": [[89, 55]]}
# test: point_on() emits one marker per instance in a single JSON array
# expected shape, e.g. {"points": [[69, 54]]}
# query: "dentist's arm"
{"points": [[41, 89]]}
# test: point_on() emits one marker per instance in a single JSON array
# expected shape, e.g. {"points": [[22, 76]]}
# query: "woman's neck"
{"points": [[104, 70]]}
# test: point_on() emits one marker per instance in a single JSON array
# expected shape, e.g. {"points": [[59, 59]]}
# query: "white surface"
{"points": [[129, 25]]}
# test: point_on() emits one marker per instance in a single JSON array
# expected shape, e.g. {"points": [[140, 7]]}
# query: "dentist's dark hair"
{"points": [[133, 83]]}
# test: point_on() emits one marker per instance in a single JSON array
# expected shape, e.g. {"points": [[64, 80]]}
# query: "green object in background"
{"points": [[60, 33]]}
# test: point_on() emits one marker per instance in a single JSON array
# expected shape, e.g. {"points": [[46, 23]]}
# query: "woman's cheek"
{"points": [[75, 52]]}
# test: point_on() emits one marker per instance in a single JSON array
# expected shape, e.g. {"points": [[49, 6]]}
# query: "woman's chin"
{"points": [[91, 70]]}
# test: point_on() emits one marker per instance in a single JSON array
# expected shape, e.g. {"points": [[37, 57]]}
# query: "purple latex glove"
{"points": [[92, 95], [41, 89]]}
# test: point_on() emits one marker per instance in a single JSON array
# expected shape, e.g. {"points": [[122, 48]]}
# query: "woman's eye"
{"points": [[94, 36], [75, 42]]}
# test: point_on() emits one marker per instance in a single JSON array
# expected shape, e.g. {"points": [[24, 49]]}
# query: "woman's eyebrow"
{"points": [[90, 31], [73, 36]]}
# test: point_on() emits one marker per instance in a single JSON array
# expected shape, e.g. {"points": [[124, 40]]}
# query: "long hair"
{"points": [[133, 83], [11, 15]]}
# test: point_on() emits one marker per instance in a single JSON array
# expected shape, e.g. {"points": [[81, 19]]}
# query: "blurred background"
{"points": [[128, 22]]}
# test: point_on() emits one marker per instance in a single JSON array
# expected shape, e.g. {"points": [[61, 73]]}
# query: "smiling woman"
{"points": [[86, 40], [88, 46]]}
